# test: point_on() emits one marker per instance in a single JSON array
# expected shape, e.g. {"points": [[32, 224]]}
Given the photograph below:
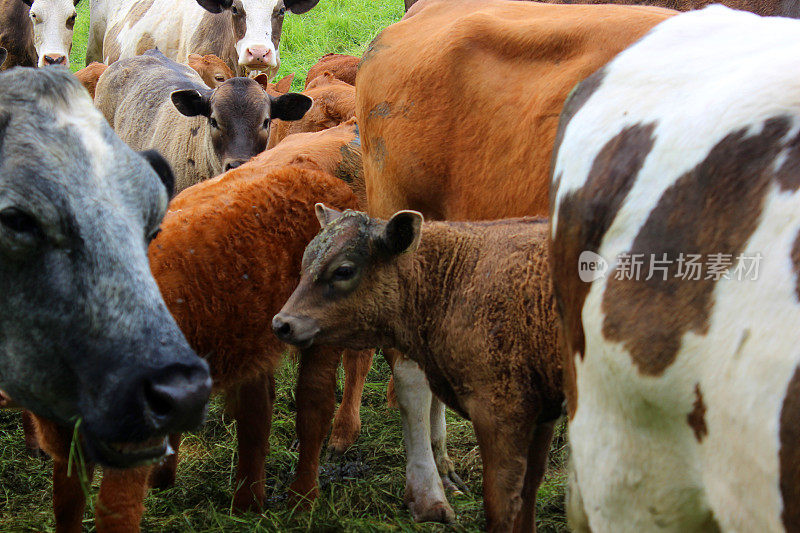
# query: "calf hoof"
{"points": [[162, 477], [438, 512], [244, 501], [301, 498], [340, 442]]}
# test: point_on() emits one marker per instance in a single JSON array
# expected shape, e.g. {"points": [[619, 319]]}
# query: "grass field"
{"points": [[363, 492]]}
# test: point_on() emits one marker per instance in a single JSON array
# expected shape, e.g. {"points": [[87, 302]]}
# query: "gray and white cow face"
{"points": [[84, 332], [258, 24], [53, 22]]}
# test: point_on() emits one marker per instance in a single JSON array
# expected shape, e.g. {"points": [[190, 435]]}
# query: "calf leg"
{"points": [[444, 464], [120, 503], [424, 491], [316, 398], [162, 475], [251, 406], [537, 461], [29, 430], [347, 423]]}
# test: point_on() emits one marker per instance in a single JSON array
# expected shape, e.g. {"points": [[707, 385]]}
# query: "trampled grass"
{"points": [[363, 492]]}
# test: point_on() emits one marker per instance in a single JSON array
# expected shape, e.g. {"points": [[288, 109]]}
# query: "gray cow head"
{"points": [[84, 332]]}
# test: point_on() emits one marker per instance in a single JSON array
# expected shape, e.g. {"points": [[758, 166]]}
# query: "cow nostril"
{"points": [[54, 60], [281, 327], [285, 329], [176, 397]]}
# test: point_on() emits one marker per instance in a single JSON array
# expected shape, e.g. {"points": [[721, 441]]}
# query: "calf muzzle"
{"points": [[296, 330]]}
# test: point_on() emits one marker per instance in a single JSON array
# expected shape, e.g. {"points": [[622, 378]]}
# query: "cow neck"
{"points": [[429, 282]]}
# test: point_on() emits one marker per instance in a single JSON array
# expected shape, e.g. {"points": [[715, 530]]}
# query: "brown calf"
{"points": [[212, 69], [89, 75], [342, 67], [471, 303], [334, 102]]}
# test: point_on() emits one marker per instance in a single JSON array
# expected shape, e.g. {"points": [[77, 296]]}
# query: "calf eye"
{"points": [[213, 123], [343, 273], [219, 77], [20, 222], [71, 22], [153, 235], [266, 124]]}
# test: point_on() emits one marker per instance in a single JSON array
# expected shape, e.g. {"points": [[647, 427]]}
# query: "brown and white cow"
{"points": [[676, 263], [201, 132], [37, 32], [458, 107], [245, 34]]}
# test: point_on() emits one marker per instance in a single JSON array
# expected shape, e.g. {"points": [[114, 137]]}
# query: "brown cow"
{"points": [[16, 34], [89, 75], [343, 67], [473, 141], [331, 152], [334, 103], [280, 87], [472, 304], [212, 69]]}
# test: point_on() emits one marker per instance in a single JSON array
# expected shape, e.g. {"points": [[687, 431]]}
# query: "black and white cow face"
{"points": [[85, 335], [53, 22]]}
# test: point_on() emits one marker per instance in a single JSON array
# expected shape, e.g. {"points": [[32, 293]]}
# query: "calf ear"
{"points": [[325, 214], [284, 84], [191, 103], [3, 55], [298, 7], [162, 168], [215, 6], [403, 232], [290, 106]]}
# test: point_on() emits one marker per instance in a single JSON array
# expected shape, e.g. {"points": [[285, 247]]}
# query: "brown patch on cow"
{"points": [[111, 45], [583, 219], [146, 42], [789, 454], [713, 208], [697, 417], [218, 34], [788, 175]]}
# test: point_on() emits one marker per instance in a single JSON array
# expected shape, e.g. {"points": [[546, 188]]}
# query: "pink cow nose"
{"points": [[55, 59], [258, 55]]}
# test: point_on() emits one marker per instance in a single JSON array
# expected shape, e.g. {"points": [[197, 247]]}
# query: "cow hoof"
{"points": [[246, 502], [438, 512], [452, 483], [300, 499], [162, 478], [342, 439]]}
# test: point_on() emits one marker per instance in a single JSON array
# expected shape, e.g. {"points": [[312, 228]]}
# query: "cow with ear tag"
{"points": [[154, 102], [471, 303], [243, 33]]}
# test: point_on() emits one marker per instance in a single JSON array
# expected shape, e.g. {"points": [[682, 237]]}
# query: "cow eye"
{"points": [[213, 123], [35, 18], [219, 77], [266, 124], [343, 272], [71, 22], [20, 222], [153, 235], [281, 11]]}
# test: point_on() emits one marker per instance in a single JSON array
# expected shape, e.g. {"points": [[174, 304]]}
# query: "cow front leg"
{"points": [[120, 504], [425, 495], [347, 423], [29, 430], [251, 407], [537, 462], [444, 464], [316, 399]]}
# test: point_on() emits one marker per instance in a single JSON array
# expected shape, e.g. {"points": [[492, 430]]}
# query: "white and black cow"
{"points": [[243, 33], [683, 383]]}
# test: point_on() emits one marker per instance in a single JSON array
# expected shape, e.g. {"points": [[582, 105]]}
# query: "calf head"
{"points": [[212, 69], [257, 28], [349, 290], [86, 335], [238, 114], [53, 22]]}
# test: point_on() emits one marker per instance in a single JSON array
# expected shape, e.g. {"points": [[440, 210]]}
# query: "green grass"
{"points": [[370, 500]]}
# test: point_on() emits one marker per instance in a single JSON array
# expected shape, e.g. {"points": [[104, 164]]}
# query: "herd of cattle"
{"points": [[160, 240]]}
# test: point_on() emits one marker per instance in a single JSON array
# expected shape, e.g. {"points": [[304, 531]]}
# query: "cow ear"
{"points": [[290, 106], [162, 168], [298, 7], [3, 55], [285, 84], [215, 6], [403, 232], [191, 103], [325, 214]]}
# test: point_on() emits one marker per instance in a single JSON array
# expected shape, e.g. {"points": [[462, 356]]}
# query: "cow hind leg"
{"points": [[347, 422], [537, 461], [444, 464], [120, 504], [251, 407], [316, 399], [425, 495], [29, 430]]}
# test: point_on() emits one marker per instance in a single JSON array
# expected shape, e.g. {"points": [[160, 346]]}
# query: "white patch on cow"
{"points": [[638, 466], [52, 36], [82, 118], [414, 398]]}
